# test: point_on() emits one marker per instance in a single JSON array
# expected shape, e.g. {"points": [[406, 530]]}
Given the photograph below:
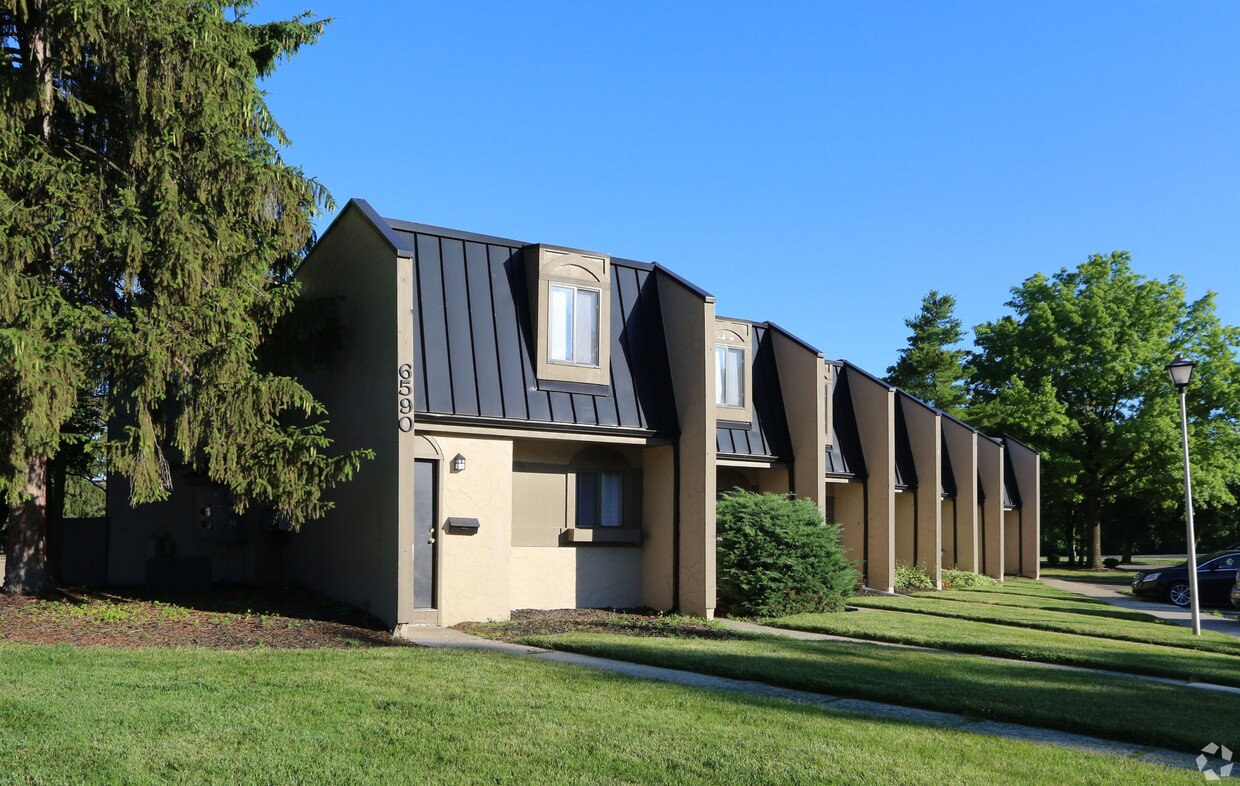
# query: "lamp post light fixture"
{"points": [[1181, 371]]}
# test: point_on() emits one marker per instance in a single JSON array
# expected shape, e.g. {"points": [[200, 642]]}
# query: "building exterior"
{"points": [[551, 428]]}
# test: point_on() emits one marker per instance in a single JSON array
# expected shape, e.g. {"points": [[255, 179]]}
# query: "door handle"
{"points": [[430, 541]]}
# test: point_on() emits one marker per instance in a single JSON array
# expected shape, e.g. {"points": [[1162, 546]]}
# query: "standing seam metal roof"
{"points": [[474, 342], [767, 436], [844, 455]]}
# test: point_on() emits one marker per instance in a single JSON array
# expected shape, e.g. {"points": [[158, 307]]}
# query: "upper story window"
{"points": [[729, 376], [734, 348], [573, 325], [570, 295]]}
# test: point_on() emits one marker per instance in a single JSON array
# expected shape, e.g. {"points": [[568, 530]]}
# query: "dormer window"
{"points": [[573, 325], [570, 294], [729, 376], [734, 348]]}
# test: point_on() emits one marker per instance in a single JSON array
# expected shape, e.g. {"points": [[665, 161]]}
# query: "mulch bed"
{"points": [[625, 622], [226, 617]]}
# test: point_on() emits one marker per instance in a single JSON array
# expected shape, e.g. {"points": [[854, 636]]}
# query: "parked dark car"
{"points": [[1216, 573]]}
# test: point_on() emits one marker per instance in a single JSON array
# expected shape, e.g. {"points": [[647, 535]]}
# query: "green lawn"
{"points": [[1101, 705], [1064, 620], [95, 715], [1006, 641], [1121, 575], [1081, 605]]}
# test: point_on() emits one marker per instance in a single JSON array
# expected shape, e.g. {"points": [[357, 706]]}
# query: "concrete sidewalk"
{"points": [[448, 638], [1165, 611]]}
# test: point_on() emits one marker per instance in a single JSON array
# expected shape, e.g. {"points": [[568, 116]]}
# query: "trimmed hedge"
{"points": [[776, 556]]}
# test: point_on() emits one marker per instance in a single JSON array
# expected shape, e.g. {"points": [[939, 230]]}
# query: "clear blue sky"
{"points": [[819, 165]]}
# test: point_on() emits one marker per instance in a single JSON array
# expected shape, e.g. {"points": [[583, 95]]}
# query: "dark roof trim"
{"points": [[757, 458], [397, 243], [904, 394], [866, 374], [795, 339], [1014, 440], [684, 282], [960, 422], [455, 234], [475, 237], [531, 425]]}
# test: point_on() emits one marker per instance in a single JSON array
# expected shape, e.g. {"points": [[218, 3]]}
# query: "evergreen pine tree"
{"points": [[149, 231], [929, 368]]}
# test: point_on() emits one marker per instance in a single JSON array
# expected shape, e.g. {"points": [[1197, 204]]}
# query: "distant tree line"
{"points": [[1077, 371]]}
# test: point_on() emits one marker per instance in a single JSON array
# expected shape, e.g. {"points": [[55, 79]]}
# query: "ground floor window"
{"points": [[600, 499]]}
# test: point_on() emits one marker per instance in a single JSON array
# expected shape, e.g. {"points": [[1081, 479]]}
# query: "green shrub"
{"points": [[1052, 560], [1110, 562], [777, 556], [963, 579], [913, 577]]}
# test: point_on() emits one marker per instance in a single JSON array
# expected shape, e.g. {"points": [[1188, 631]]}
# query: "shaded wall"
{"points": [[689, 325], [358, 552]]}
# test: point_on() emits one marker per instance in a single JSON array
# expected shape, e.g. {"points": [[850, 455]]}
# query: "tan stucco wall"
{"points": [[962, 445], [774, 481], [356, 552], [990, 465], [658, 522], [802, 381], [576, 577], [689, 326], [1011, 542], [924, 429], [1026, 465], [874, 404], [905, 526], [475, 570], [947, 510], [850, 515]]}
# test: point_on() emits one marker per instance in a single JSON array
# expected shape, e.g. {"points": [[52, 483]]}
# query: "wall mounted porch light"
{"points": [[458, 463]]}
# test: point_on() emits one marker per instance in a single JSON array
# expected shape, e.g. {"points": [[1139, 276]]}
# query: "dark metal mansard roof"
{"points": [[844, 456], [474, 343], [767, 436]]}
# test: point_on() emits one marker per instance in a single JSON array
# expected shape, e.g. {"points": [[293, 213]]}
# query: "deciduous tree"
{"points": [[149, 230], [1077, 371]]}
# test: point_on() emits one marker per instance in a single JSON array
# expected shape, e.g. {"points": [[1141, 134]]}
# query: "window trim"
{"points": [[600, 505], [737, 335], [572, 334], [721, 377], [548, 266]]}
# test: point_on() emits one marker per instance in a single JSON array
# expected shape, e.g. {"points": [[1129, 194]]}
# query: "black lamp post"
{"points": [[1181, 371]]}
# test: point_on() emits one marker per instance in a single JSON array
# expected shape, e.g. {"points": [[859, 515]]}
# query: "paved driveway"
{"points": [[1108, 593]]}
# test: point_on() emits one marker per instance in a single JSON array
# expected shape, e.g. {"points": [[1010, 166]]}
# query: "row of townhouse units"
{"points": [[552, 428]]}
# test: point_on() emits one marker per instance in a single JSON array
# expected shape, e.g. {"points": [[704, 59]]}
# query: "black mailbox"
{"points": [[464, 526]]}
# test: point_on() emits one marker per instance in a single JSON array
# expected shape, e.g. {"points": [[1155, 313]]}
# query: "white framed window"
{"points": [[573, 325], [729, 376], [600, 499]]}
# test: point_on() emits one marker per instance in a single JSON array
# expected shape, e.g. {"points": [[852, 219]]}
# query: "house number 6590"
{"points": [[404, 400]]}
